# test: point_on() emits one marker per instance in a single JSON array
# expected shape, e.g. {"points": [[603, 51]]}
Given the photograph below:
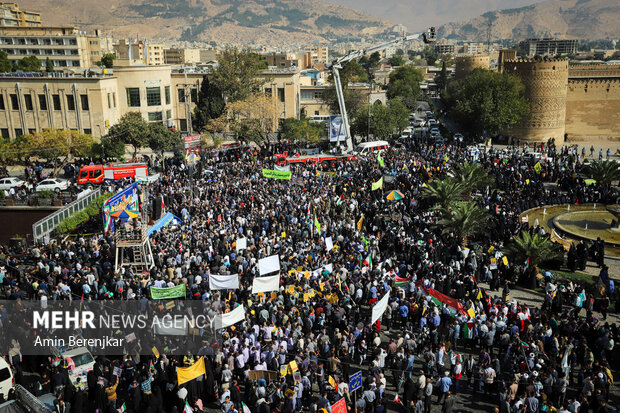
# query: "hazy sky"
{"points": [[417, 14]]}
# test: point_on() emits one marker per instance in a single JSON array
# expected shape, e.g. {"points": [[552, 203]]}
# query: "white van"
{"points": [[368, 147], [80, 362], [6, 378]]}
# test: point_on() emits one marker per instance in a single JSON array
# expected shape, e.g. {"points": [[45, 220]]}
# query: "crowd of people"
{"points": [[488, 352]]}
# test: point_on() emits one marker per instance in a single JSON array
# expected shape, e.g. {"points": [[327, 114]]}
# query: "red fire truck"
{"points": [[96, 174]]}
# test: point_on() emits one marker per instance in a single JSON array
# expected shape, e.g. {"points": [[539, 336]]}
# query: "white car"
{"points": [[52, 184], [6, 378], [12, 182], [458, 137], [434, 131]]}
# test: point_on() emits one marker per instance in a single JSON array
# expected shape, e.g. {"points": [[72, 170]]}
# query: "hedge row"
{"points": [[94, 208]]}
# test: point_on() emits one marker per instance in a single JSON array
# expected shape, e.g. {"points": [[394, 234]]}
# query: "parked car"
{"points": [[6, 378], [434, 131], [458, 137], [12, 182], [52, 184]]}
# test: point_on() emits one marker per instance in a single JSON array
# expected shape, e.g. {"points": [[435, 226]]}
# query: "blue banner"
{"points": [[125, 205], [166, 220]]}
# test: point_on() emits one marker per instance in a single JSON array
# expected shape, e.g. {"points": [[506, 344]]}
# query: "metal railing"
{"points": [[50, 222], [28, 400]]}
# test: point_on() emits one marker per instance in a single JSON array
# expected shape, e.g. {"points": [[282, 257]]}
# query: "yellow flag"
{"points": [[479, 296], [505, 260], [306, 297], [491, 248], [155, 352], [360, 222], [322, 285], [185, 374], [290, 289], [471, 313], [527, 182], [332, 382]]}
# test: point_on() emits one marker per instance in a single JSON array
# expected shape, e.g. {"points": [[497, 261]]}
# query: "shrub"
{"points": [[45, 194]]}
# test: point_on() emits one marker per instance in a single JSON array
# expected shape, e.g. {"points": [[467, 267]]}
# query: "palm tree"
{"points": [[473, 176], [532, 251], [604, 172], [464, 219], [444, 192]]}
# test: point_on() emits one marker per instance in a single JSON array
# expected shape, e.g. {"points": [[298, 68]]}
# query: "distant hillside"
{"points": [[582, 19], [268, 22]]}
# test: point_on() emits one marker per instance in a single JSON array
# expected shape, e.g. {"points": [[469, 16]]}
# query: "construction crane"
{"points": [[427, 36]]}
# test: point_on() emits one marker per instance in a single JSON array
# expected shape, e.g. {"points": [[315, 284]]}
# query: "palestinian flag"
{"points": [[527, 263], [453, 306], [401, 281], [468, 330]]}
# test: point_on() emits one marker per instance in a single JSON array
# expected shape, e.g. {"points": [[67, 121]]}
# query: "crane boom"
{"points": [[428, 37]]}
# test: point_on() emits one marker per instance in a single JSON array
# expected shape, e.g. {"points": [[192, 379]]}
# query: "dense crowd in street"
{"points": [[422, 354]]}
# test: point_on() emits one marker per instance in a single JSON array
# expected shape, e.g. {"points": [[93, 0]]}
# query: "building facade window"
{"points": [[168, 114], [109, 101], [70, 102], [167, 93], [28, 102], [88, 131], [181, 95], [5, 133], [194, 95], [155, 116], [153, 96], [133, 97], [14, 102], [18, 132], [56, 102], [2, 102], [42, 102], [183, 124], [84, 102]]}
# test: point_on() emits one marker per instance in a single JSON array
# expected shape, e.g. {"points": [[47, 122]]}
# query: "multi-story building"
{"points": [[320, 53], [66, 47], [289, 60], [548, 46], [443, 48], [175, 56], [11, 15], [139, 53]]}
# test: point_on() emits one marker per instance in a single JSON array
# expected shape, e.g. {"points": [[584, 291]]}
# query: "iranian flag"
{"points": [[453, 306], [123, 408], [187, 408], [401, 281]]}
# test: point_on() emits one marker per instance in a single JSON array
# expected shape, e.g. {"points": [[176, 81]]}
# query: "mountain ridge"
{"points": [[269, 22]]}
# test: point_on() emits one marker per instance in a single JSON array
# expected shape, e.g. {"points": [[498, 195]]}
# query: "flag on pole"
{"points": [[360, 222], [317, 224], [527, 263], [468, 330], [368, 260], [123, 408], [163, 205], [380, 159], [340, 200], [187, 408], [537, 168], [396, 398], [332, 382], [377, 185]]}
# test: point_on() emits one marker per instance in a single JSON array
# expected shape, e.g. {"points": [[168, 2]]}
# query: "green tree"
{"points": [[535, 249], [109, 148], [405, 83], [359, 121], [210, 104], [444, 192], [107, 60], [59, 146], [237, 74], [429, 55], [49, 66], [442, 79], [302, 130], [353, 99], [396, 60], [5, 64], [604, 172], [399, 113], [487, 100], [162, 139], [381, 121], [473, 176], [130, 130], [29, 64], [464, 219]]}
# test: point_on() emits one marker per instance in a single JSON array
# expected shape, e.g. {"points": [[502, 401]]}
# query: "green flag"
{"points": [[377, 185], [317, 224], [380, 159]]}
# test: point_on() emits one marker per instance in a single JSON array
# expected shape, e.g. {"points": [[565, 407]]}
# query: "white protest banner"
{"points": [[269, 265], [266, 284], [230, 318], [242, 243], [318, 271], [223, 282], [379, 308], [329, 244]]}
